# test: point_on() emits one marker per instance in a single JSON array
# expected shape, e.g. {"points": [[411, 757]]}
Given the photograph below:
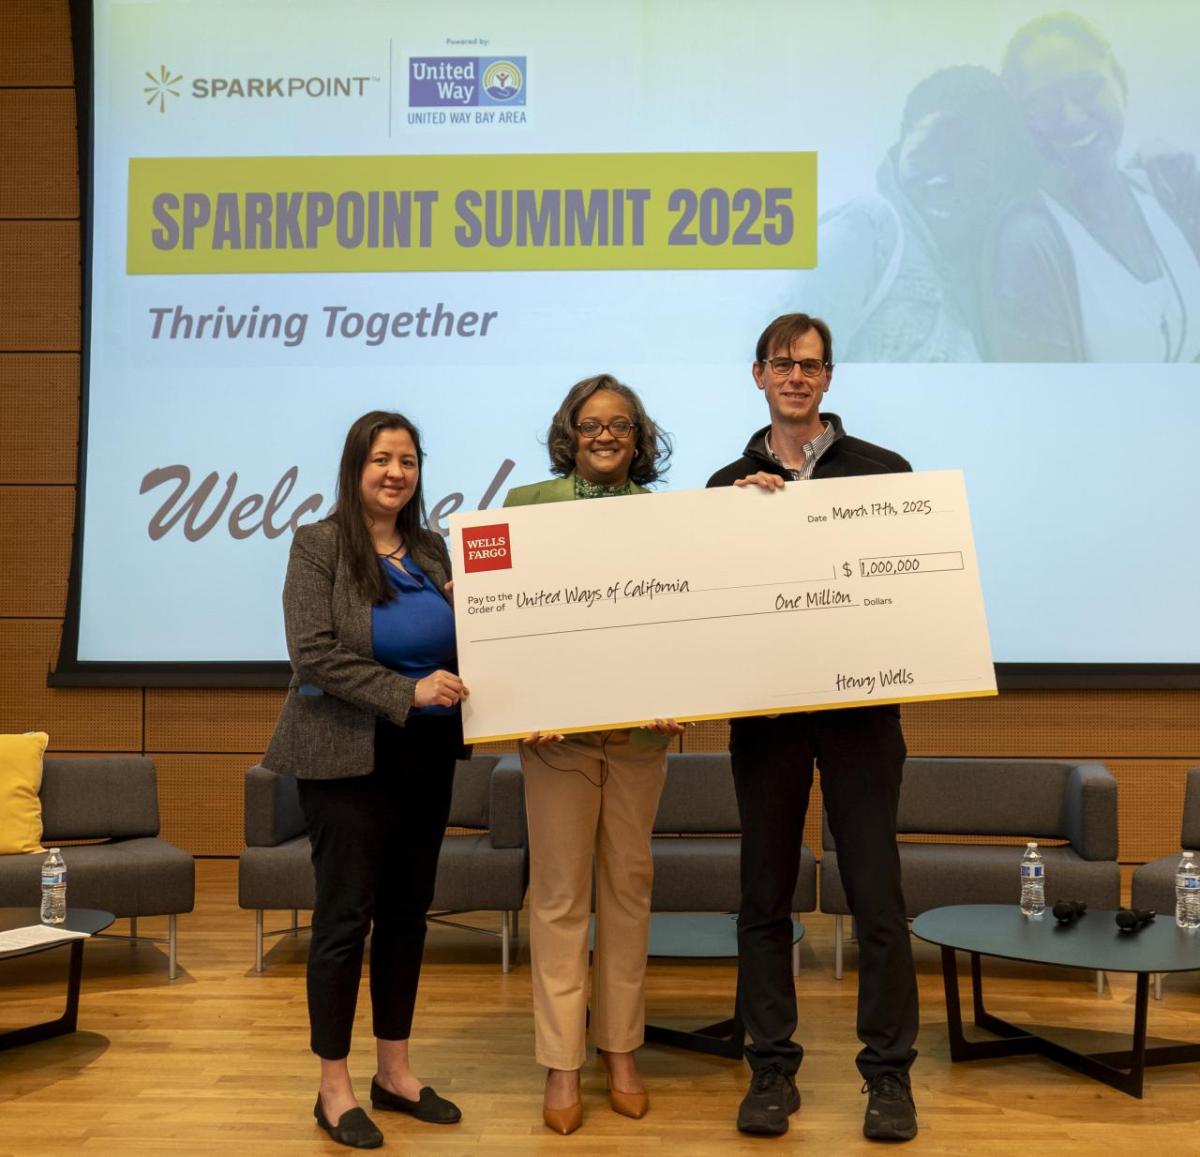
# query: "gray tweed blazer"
{"points": [[326, 729]]}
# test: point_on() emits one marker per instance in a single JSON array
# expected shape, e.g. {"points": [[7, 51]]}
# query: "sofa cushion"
{"points": [[936, 875], [277, 877], [703, 874], [471, 876], [110, 797], [20, 779], [142, 877]]}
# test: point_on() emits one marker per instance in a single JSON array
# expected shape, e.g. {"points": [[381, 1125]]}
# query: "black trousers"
{"points": [[860, 753], [375, 843]]}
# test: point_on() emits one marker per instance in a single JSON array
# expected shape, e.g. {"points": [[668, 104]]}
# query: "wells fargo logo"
{"points": [[486, 548]]}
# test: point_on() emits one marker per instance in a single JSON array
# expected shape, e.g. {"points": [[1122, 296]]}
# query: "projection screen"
{"points": [[300, 211]]}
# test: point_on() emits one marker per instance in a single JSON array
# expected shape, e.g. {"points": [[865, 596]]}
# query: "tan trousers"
{"points": [[591, 798]]}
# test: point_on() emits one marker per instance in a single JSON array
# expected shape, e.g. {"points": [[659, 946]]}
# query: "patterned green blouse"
{"points": [[586, 489]]}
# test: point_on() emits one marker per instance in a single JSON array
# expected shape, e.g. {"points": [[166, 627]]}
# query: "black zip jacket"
{"points": [[845, 458]]}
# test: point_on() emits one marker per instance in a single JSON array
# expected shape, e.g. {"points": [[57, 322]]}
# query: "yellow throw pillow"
{"points": [[20, 779]]}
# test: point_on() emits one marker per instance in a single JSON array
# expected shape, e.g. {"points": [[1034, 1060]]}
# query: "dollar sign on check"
{"points": [[846, 569]]}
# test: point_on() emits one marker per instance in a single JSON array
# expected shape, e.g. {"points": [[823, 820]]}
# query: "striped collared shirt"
{"points": [[812, 452]]}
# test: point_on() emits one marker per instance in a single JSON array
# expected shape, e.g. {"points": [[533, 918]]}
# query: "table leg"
{"points": [[1123, 1070], [953, 1008], [726, 1038], [63, 1024]]}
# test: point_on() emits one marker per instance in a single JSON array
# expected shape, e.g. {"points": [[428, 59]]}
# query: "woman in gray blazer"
{"points": [[371, 730]]}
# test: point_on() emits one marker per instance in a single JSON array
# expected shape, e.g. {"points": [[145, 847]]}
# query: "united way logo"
{"points": [[504, 81], [466, 81]]}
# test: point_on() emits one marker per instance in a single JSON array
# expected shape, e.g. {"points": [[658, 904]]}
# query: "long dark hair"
{"points": [[350, 517], [653, 445]]}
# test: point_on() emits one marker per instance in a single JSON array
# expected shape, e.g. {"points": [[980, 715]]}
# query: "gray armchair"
{"points": [[484, 871], [1154, 883], [129, 872], [1040, 800]]}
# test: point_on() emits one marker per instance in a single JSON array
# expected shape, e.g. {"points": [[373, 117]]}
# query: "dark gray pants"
{"points": [[375, 843], [860, 753]]}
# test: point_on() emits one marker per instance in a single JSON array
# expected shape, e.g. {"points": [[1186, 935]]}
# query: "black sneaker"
{"points": [[765, 1107], [891, 1114]]}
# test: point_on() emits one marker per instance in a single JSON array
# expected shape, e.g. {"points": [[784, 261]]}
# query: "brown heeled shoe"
{"points": [[563, 1121], [635, 1105]]}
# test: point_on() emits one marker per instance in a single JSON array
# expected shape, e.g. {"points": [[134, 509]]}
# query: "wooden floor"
{"points": [[216, 1062]]}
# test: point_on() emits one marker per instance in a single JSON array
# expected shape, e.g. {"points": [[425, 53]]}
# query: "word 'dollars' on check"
{"points": [[847, 592]]}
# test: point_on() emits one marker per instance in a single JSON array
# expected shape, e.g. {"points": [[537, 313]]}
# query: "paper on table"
{"points": [[34, 935]]}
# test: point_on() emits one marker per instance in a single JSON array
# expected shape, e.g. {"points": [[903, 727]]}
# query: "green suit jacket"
{"points": [[552, 490]]}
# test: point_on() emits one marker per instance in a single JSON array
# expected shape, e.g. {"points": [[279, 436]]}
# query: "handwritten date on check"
{"points": [[703, 604]]}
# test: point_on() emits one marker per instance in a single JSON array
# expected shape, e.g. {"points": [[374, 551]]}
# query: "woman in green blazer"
{"points": [[591, 799]]}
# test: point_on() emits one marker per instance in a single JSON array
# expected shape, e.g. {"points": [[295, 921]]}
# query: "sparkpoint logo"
{"points": [[164, 83]]}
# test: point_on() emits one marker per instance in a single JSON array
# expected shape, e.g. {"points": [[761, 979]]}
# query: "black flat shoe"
{"points": [[430, 1107], [354, 1128]]}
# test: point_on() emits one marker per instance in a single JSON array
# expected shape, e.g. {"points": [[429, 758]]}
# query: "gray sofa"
{"points": [[697, 842], [131, 873], [1154, 883], [485, 871], [695, 858], [1054, 800]]}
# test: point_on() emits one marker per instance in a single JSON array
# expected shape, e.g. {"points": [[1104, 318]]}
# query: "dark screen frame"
{"points": [[69, 671]]}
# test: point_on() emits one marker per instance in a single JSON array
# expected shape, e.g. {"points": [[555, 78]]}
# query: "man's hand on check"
{"points": [[665, 727], [764, 479], [538, 739]]}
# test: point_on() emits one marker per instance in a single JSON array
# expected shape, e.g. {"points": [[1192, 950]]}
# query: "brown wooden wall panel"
{"points": [[39, 418], [1149, 806], [39, 177], [39, 292], [1060, 724], [35, 43], [200, 802], [35, 525], [77, 719], [1101, 725], [210, 720]]}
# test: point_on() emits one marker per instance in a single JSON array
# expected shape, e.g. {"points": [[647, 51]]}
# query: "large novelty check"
{"points": [[703, 604]]}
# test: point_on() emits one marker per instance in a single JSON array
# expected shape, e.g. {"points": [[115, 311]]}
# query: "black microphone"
{"points": [[1068, 911], [1134, 919]]}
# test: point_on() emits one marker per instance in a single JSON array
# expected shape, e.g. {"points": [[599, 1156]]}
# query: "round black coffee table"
{"points": [[1093, 942], [89, 921]]}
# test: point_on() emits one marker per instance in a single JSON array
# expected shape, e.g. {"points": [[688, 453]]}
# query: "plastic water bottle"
{"points": [[1187, 892], [54, 888], [1033, 881]]}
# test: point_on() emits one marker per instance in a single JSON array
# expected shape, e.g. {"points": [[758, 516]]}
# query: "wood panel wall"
{"points": [[202, 741]]}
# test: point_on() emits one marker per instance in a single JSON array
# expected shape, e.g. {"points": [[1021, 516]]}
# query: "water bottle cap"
{"points": [[1031, 844], [1188, 855], [52, 851]]}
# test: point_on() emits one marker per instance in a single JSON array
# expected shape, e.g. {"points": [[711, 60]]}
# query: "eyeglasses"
{"points": [[619, 428], [809, 367]]}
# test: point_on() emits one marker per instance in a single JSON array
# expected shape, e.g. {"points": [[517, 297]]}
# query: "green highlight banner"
{"points": [[472, 213]]}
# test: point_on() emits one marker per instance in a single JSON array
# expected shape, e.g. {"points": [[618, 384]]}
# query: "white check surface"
{"points": [[713, 603]]}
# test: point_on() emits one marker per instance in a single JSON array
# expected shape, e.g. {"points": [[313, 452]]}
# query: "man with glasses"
{"points": [[860, 752]]}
